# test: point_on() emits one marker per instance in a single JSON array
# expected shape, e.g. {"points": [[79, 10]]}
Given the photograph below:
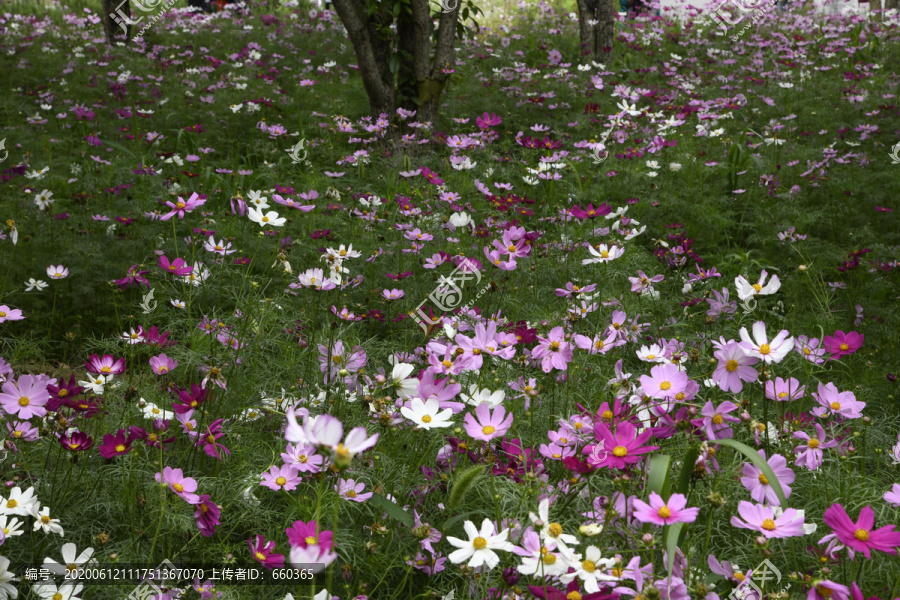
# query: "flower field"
{"points": [[598, 332]]}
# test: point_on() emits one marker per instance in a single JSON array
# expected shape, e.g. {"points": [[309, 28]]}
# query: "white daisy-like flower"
{"points": [[479, 549]]}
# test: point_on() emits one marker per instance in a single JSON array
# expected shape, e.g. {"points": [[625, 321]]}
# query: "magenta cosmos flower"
{"points": [[764, 520], [263, 553], [829, 590], [183, 206], [735, 367], [485, 425], [860, 536], [843, 344], [715, 419], [10, 314], [108, 365], [758, 484], [784, 390], [553, 351], [162, 364], [665, 381], [183, 486], [116, 445], [620, 449], [661, 512], [833, 403], [302, 535], [176, 267], [207, 515], [25, 398]]}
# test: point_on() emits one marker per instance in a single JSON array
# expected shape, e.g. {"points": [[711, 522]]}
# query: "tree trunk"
{"points": [[597, 27], [373, 52], [411, 77], [891, 4], [875, 5], [116, 18]]}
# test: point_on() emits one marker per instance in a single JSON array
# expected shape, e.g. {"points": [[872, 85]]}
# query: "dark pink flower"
{"points": [[860, 536]]}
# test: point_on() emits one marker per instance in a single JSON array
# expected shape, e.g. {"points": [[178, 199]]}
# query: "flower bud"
{"points": [[647, 539]]}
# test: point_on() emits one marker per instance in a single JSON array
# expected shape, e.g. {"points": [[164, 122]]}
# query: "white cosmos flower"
{"points": [[71, 559], [603, 253], [11, 526], [96, 384], [551, 532], [746, 290], [759, 346], [19, 502], [66, 591], [152, 411], [270, 219], [405, 385], [590, 570], [476, 397], [479, 549], [427, 414], [45, 522], [33, 284], [6, 588]]}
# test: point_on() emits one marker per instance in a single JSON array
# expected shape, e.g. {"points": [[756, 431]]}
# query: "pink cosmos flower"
{"points": [[833, 403], [393, 294], [183, 486], [351, 490], [176, 267], [303, 457], [843, 344], [714, 419], [782, 390], [735, 367], [758, 485], [554, 351], [57, 272], [660, 512], [665, 381], [764, 520], [10, 314], [620, 449], [25, 398], [829, 590], [770, 351], [810, 349], [326, 431], [598, 345], [281, 478], [893, 496], [183, 206], [108, 365], [809, 455], [485, 425], [263, 553], [860, 536], [642, 282], [162, 364]]}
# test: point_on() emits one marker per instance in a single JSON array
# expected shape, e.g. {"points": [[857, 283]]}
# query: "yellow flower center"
{"points": [[73, 446], [447, 363], [2, 314], [577, 596], [488, 430], [607, 415], [731, 366], [178, 487], [861, 534], [807, 351], [211, 439], [589, 566], [105, 370], [651, 356], [511, 248], [824, 591], [23, 401], [664, 512], [310, 540], [604, 254], [554, 345], [764, 349], [351, 493], [555, 529], [163, 370], [180, 204], [549, 559], [12, 504], [479, 543], [120, 448], [620, 451], [152, 437], [844, 347], [45, 519], [426, 418], [757, 287], [782, 395], [835, 406], [763, 479], [768, 525], [63, 393], [281, 481], [260, 556], [718, 420], [665, 385]]}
